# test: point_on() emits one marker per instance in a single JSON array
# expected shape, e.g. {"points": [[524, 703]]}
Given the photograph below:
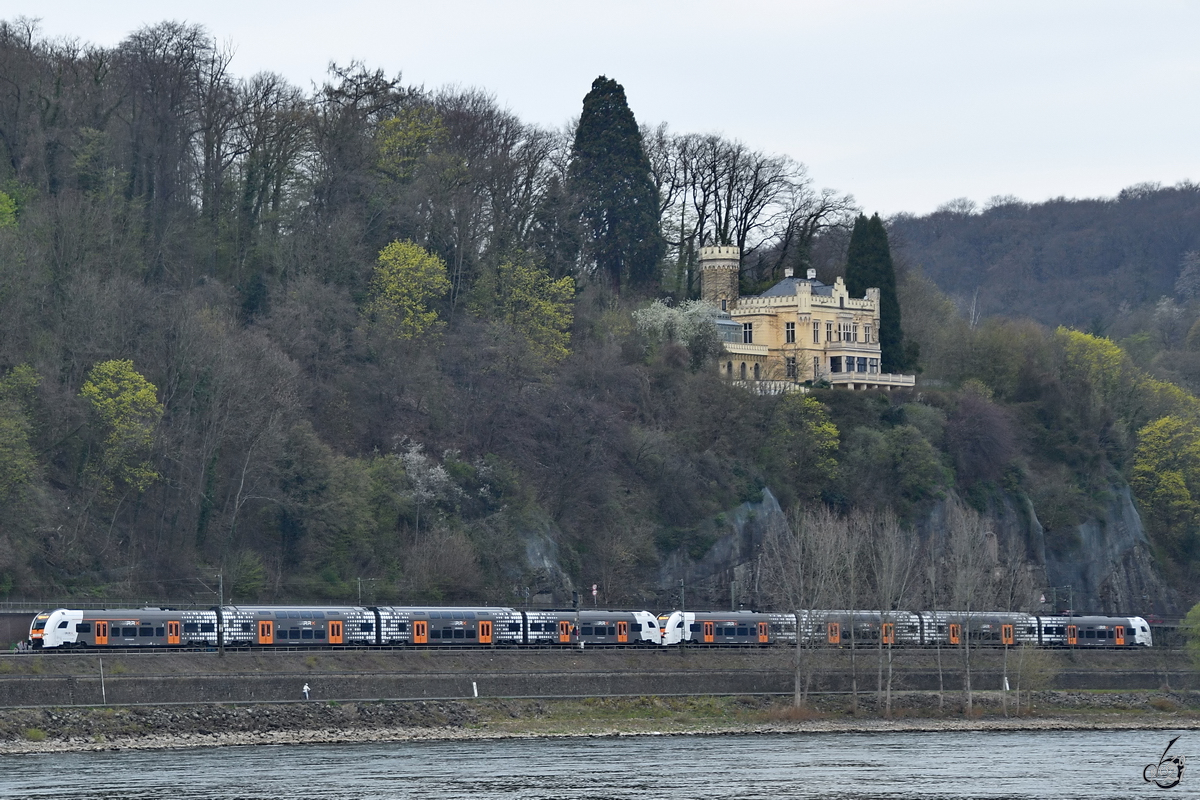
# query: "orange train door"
{"points": [[1006, 634], [172, 633], [564, 631], [420, 632], [833, 633], [485, 631], [955, 633], [1072, 634], [889, 633], [708, 631], [1120, 629], [266, 632], [622, 632], [336, 635], [762, 633], [101, 632]]}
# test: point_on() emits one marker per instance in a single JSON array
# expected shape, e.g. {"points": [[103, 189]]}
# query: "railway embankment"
{"points": [[245, 677]]}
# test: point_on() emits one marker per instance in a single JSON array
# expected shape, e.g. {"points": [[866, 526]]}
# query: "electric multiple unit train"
{"points": [[477, 626]]}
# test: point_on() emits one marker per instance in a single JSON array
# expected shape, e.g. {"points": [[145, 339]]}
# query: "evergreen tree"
{"points": [[869, 264], [610, 175]]}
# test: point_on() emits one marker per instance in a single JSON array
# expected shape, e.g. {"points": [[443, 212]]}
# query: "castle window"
{"points": [[855, 334], [743, 370], [756, 372], [789, 331], [724, 304], [844, 332], [790, 362], [816, 332], [867, 334], [816, 368], [729, 368], [747, 333], [874, 362], [829, 331], [835, 363], [862, 364]]}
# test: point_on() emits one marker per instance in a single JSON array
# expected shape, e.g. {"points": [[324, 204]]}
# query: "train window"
{"points": [[695, 627], [293, 615], [191, 627], [535, 626], [470, 633], [1089, 634], [280, 615], [160, 632], [434, 615], [514, 627], [306, 633], [83, 627], [208, 627], [743, 631], [586, 630], [319, 634], [459, 633], [305, 615], [366, 627], [435, 634], [62, 624], [448, 633], [456, 615], [247, 627], [402, 627], [335, 613], [318, 615], [612, 630], [130, 632], [731, 631], [468, 615]]}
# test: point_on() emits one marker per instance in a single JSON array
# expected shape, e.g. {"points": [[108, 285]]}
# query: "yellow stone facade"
{"points": [[798, 332]]}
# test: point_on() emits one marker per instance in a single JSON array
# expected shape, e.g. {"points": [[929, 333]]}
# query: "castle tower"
{"points": [[719, 276]]}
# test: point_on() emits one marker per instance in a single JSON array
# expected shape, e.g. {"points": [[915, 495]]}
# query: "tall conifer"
{"points": [[610, 175], [869, 264]]}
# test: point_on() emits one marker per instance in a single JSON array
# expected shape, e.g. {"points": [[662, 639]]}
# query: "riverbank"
{"points": [[42, 730]]}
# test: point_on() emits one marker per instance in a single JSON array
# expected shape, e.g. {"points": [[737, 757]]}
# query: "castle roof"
{"points": [[787, 288]]}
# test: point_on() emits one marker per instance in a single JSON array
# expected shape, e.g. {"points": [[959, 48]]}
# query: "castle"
{"points": [[798, 332]]}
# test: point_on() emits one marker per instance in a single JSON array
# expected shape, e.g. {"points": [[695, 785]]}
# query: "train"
{"points": [[484, 626]]}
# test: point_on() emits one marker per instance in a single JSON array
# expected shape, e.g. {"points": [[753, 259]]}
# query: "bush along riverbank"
{"points": [[162, 727]]}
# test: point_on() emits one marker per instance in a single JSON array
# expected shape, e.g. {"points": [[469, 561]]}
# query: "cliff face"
{"points": [[1104, 565]]}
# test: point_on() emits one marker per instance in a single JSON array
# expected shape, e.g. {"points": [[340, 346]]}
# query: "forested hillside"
{"points": [[394, 340]]}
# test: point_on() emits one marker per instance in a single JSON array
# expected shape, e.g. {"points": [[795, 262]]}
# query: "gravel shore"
{"points": [[46, 730]]}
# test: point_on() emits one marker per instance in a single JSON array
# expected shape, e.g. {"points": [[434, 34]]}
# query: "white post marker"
{"points": [[475, 688]]}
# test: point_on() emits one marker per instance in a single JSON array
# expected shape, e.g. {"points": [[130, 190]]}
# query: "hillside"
{"points": [[363, 344]]}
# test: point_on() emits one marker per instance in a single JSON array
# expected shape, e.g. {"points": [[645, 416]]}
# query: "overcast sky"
{"points": [[904, 104]]}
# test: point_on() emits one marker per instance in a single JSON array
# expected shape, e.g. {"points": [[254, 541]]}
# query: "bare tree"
{"points": [[892, 555], [801, 564], [968, 561]]}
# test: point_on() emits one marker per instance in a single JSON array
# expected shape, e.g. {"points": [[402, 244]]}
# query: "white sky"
{"points": [[903, 104]]}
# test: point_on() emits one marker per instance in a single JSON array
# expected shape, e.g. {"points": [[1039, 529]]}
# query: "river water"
{"points": [[1090, 764]]}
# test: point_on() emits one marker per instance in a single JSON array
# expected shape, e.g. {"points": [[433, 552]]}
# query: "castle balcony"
{"points": [[862, 380], [739, 349]]}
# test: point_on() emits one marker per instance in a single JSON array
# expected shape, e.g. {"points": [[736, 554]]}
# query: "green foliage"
{"points": [[610, 174], [538, 307], [403, 140], [1166, 479], [8, 211], [869, 265], [18, 463], [127, 408], [806, 443], [406, 278], [1190, 628]]}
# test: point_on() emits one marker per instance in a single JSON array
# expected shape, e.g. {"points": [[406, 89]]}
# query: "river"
{"points": [[1088, 764]]}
